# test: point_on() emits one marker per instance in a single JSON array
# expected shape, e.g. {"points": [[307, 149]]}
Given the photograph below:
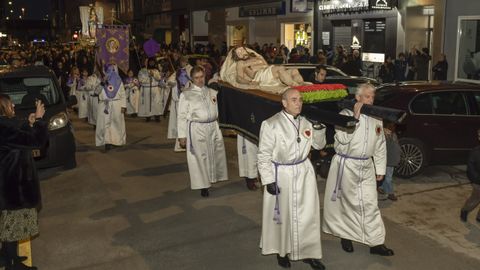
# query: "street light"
{"points": [[23, 12]]}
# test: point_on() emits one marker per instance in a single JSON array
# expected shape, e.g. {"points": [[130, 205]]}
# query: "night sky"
{"points": [[34, 9]]}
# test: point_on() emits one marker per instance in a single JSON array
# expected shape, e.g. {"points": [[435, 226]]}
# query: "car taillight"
{"points": [[58, 121]]}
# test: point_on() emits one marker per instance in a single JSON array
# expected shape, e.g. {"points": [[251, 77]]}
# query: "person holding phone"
{"points": [[19, 186]]}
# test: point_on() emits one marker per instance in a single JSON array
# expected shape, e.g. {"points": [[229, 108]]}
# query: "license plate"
{"points": [[36, 153]]}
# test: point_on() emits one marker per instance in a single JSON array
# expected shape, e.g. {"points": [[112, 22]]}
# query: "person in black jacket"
{"points": [[19, 185], [440, 69], [473, 174]]}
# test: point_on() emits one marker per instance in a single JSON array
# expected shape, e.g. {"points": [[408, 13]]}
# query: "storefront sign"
{"points": [[373, 57], [355, 43], [271, 9], [381, 4], [374, 37], [300, 6]]}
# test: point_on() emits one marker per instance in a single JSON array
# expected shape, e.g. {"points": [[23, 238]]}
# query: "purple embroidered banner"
{"points": [[113, 45]]}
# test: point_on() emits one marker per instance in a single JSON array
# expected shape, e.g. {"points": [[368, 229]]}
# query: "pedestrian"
{"points": [[199, 132], [150, 91], [19, 185], [387, 71], [82, 95], [291, 207], [473, 174], [94, 87], [351, 209], [440, 69], [110, 129], [421, 63], [400, 68], [393, 159]]}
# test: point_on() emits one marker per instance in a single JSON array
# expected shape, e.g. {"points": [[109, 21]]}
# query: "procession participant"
{"points": [[110, 116], [150, 91], [183, 80], [291, 207], [82, 95], [132, 89], [351, 209], [93, 87], [247, 161], [72, 83], [199, 132]]}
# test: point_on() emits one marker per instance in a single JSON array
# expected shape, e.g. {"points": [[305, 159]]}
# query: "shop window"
{"points": [[467, 67]]}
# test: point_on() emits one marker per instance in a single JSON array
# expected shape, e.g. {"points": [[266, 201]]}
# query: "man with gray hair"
{"points": [[291, 207], [350, 208]]}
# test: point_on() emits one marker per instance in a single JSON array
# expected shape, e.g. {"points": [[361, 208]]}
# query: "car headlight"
{"points": [[58, 121]]}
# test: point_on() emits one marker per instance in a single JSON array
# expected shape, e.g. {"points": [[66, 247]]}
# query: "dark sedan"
{"points": [[441, 124]]}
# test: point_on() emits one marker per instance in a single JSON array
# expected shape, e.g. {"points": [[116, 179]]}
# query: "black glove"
{"points": [[272, 189]]}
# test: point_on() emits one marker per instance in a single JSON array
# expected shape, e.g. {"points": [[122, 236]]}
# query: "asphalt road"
{"points": [[132, 208]]}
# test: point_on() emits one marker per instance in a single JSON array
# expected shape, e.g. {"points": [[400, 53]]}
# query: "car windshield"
{"points": [[25, 91], [334, 72]]}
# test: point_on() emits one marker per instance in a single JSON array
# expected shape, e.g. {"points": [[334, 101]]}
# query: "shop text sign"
{"points": [[271, 9], [381, 4]]}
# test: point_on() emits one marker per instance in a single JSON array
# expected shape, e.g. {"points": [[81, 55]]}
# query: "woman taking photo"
{"points": [[19, 186]]}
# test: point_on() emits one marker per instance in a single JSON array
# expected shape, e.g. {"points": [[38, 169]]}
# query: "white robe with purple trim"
{"points": [[299, 232], [111, 126], [354, 214], [207, 162], [247, 157], [151, 101]]}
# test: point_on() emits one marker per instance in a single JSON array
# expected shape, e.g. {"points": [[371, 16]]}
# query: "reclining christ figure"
{"points": [[245, 68]]}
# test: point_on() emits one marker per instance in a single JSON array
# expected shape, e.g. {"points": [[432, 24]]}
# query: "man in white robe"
{"points": [[291, 207], [82, 96], [351, 208], [199, 132], [247, 161], [151, 94], [110, 116]]}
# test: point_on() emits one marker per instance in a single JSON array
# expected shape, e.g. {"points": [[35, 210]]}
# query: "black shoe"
{"points": [[463, 215], [157, 119], [108, 147], [381, 250], [478, 219], [204, 192], [347, 245], [283, 261], [147, 119], [251, 184], [315, 264]]}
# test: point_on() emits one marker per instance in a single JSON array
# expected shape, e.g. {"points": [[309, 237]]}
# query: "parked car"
{"points": [[27, 84], [334, 75], [441, 123]]}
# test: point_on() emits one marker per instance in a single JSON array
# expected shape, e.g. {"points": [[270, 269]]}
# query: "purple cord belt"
{"points": [[276, 211], [337, 192], [190, 131]]}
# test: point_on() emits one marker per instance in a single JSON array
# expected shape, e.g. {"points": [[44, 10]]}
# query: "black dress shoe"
{"points": [[478, 219], [283, 261], [463, 215], [147, 119], [347, 245], [20, 266], [204, 192], [381, 250], [315, 264]]}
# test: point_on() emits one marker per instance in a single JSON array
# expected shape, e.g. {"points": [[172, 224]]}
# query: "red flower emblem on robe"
{"points": [[378, 129], [307, 133]]}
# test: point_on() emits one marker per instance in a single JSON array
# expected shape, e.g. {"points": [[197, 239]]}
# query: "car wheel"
{"points": [[412, 158]]}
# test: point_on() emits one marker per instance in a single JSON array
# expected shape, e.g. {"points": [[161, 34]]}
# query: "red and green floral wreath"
{"points": [[321, 92]]}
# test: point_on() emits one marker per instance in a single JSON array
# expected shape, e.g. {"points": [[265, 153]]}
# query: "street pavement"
{"points": [[132, 208]]}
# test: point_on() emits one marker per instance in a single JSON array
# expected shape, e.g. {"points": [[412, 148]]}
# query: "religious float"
{"points": [[243, 105]]}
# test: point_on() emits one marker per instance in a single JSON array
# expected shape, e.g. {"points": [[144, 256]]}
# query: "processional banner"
{"points": [[113, 45]]}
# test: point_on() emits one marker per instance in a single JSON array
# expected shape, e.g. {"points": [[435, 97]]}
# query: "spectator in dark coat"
{"points": [[386, 73], [421, 63], [19, 186], [473, 174], [440, 69], [400, 68]]}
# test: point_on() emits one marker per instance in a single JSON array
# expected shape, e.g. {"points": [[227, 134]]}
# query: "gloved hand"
{"points": [[272, 189]]}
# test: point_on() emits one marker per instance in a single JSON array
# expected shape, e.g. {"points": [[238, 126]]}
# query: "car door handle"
{"points": [[430, 124]]}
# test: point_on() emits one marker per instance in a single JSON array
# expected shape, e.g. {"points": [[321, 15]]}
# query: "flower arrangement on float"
{"points": [[321, 92]]}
